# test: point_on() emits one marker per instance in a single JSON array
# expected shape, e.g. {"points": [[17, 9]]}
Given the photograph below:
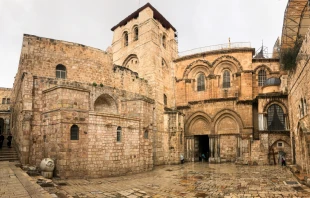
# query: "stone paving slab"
{"points": [[15, 183], [189, 180]]}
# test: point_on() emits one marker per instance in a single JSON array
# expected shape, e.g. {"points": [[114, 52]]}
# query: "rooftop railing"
{"points": [[215, 47]]}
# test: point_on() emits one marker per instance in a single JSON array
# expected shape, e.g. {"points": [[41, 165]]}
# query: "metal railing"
{"points": [[215, 47]]}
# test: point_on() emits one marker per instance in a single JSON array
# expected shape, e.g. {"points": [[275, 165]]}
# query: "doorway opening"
{"points": [[203, 145]]}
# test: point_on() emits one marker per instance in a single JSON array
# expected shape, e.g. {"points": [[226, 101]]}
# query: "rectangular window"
{"points": [[118, 138], [280, 144], [3, 100], [8, 101]]}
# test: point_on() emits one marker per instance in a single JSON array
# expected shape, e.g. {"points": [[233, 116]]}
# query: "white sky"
{"points": [[199, 23]]}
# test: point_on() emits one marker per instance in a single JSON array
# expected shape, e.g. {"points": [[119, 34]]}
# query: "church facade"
{"points": [[140, 103]]}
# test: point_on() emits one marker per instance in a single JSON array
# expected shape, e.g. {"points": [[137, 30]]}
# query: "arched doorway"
{"points": [[197, 138]]}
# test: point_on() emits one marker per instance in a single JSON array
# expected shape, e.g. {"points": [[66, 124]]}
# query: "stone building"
{"points": [[141, 103], [298, 84], [5, 94]]}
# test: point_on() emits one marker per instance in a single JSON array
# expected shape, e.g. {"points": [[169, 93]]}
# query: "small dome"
{"points": [[272, 82]]}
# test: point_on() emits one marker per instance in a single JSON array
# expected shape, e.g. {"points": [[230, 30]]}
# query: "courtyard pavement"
{"points": [[189, 180]]}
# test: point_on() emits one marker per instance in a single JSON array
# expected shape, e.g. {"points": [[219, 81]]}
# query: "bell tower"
{"points": [[145, 42]]}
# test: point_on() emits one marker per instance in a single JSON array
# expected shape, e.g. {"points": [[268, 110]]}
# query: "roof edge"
{"points": [[165, 23]]}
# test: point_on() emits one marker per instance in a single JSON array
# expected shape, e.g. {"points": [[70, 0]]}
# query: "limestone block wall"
{"points": [[5, 94], [298, 91]]}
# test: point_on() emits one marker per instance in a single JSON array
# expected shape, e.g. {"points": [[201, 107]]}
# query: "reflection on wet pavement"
{"points": [[190, 180]]}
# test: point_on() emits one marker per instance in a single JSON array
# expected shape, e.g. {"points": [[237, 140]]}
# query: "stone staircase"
{"points": [[8, 154]]}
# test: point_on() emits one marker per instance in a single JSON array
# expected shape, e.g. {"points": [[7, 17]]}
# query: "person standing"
{"points": [[1, 140], [182, 159], [9, 138], [283, 161]]}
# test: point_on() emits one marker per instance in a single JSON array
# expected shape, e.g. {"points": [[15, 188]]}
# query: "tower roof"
{"points": [[156, 16]]}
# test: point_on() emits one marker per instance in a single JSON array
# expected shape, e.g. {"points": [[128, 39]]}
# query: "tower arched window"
{"points": [[119, 134], [136, 33], [165, 100], [302, 108], [261, 77], [305, 107], [226, 79], [61, 71], [201, 82], [164, 41], [275, 118], [125, 38], [146, 134], [74, 132]]}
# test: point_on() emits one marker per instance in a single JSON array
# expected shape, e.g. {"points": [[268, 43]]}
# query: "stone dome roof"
{"points": [[272, 82]]}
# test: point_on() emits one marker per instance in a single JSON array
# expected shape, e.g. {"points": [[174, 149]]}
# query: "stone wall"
{"points": [[298, 90]]}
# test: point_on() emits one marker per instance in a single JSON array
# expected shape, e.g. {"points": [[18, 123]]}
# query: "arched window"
{"points": [[261, 77], [146, 134], [136, 33], [201, 82], [226, 79], [275, 118], [61, 71], [119, 134], [302, 109], [165, 100], [164, 41], [305, 106], [125, 39], [74, 132]]}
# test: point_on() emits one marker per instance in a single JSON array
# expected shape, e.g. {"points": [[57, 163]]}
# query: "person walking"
{"points": [[182, 159], [9, 138], [283, 161], [1, 140]]}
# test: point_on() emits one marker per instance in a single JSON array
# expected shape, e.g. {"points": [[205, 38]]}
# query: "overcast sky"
{"points": [[199, 23]]}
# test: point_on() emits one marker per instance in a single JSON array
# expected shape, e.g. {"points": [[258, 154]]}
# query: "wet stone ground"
{"points": [[189, 180]]}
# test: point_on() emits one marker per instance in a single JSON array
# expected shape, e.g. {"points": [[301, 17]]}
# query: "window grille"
{"points": [[201, 82], [74, 132], [261, 77], [119, 134], [226, 79], [61, 71], [276, 119]]}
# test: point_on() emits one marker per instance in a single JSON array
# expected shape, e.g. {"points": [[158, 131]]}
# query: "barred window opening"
{"points": [[201, 82], [74, 132], [226, 79], [261, 77], [276, 119], [119, 134], [165, 100], [61, 71]]}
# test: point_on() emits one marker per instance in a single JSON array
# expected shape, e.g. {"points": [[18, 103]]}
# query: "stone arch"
{"points": [[281, 104], [198, 120], [131, 62], [223, 66], [202, 63], [227, 124], [229, 114], [135, 32], [105, 104], [228, 59], [265, 67]]}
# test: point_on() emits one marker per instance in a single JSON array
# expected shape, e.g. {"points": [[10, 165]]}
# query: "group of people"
{"points": [[9, 140]]}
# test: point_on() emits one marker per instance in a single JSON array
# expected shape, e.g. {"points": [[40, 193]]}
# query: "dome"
{"points": [[272, 82]]}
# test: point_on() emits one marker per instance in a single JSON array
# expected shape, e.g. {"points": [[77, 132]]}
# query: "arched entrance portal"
{"points": [[198, 139]]}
